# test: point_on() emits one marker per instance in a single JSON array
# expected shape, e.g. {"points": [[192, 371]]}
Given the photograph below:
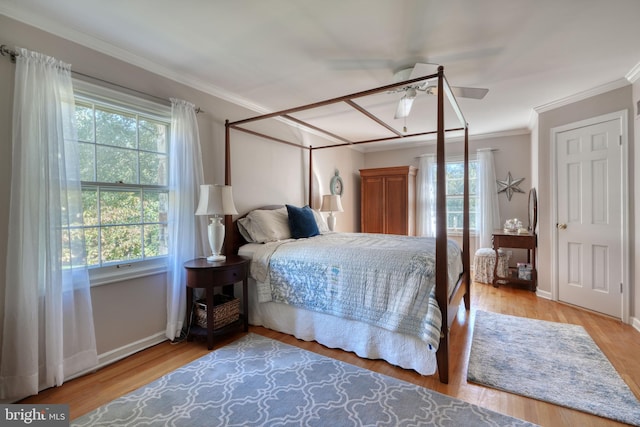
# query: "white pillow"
{"points": [[322, 224], [267, 225], [244, 224]]}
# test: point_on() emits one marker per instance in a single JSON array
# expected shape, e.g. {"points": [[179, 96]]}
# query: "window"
{"points": [[455, 194], [124, 169]]}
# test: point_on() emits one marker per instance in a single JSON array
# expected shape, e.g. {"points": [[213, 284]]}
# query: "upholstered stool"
{"points": [[484, 262]]}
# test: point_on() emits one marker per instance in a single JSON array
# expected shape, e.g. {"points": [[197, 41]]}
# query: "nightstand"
{"points": [[209, 275]]}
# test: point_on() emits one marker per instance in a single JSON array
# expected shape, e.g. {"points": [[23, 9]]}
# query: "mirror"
{"points": [[533, 210]]}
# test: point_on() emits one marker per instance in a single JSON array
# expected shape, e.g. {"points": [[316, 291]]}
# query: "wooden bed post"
{"points": [[310, 176], [442, 263], [228, 219], [466, 248]]}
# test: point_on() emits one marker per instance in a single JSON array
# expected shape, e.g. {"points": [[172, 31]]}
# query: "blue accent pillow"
{"points": [[302, 222]]}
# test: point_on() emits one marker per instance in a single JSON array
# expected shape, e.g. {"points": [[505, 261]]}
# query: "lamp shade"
{"points": [[331, 203], [216, 200]]}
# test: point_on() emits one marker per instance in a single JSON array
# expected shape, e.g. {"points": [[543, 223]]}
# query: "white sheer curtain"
{"points": [[487, 213], [48, 332], [426, 212], [185, 229]]}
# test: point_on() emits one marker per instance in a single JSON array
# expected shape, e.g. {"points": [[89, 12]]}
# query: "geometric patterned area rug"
{"points": [[549, 361], [256, 381]]}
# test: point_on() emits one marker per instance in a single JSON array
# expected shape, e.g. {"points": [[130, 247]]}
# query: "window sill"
{"points": [[458, 233], [126, 271]]}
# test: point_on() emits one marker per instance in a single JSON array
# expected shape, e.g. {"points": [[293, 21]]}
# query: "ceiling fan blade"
{"points": [[423, 69], [469, 92]]}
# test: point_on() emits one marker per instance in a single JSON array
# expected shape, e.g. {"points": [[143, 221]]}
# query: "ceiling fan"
{"points": [[427, 86]]}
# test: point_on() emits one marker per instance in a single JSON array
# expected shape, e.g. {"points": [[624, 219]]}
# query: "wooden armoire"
{"points": [[388, 200]]}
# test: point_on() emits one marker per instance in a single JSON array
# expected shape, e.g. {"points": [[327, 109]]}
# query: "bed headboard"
{"points": [[237, 239]]}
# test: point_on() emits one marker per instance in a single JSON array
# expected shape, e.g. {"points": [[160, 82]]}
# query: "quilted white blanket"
{"points": [[384, 280]]}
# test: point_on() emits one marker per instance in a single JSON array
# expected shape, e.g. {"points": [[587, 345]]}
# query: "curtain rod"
{"points": [[12, 54]]}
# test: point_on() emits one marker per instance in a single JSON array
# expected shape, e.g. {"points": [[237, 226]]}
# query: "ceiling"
{"points": [[276, 54]]}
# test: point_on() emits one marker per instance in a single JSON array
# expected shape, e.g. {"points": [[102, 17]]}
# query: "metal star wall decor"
{"points": [[509, 186]]}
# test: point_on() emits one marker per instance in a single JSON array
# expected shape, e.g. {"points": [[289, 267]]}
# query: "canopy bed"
{"points": [[446, 287]]}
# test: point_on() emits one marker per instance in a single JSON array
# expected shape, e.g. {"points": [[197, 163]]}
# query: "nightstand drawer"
{"points": [[228, 277], [198, 278]]}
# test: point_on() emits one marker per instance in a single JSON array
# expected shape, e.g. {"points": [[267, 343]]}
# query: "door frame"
{"points": [[622, 117]]}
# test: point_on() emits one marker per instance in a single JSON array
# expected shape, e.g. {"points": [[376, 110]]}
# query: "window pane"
{"points": [[65, 257], [454, 220], [117, 165], [155, 240], [455, 170], [91, 239], [74, 250], [84, 122], [156, 205], [473, 187], [153, 169], [455, 205], [121, 243], [87, 162], [120, 207], [455, 186], [90, 206], [153, 135], [116, 129]]}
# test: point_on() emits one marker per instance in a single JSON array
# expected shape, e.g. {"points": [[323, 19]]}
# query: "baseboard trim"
{"points": [[635, 322], [543, 294], [112, 356]]}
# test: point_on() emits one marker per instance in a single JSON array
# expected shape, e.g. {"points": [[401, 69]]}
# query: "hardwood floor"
{"points": [[620, 342]]}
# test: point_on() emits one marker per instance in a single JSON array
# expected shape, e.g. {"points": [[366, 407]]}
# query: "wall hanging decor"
{"points": [[509, 185], [336, 185]]}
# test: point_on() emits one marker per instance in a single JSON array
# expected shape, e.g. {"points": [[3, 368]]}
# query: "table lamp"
{"points": [[331, 203], [217, 201]]}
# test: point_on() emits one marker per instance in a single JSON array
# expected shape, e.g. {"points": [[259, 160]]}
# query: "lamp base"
{"points": [[331, 221], [216, 258]]}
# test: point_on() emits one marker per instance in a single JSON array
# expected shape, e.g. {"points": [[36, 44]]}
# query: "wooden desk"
{"points": [[209, 275], [502, 239]]}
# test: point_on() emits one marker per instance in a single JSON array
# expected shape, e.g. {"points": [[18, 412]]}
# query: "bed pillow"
{"points": [[264, 225], [322, 224], [302, 222], [244, 225]]}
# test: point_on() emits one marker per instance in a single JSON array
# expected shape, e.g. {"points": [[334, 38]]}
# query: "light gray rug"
{"points": [[549, 361], [256, 381]]}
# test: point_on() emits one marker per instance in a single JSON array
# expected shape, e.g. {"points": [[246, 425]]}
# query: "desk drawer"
{"points": [[515, 241]]}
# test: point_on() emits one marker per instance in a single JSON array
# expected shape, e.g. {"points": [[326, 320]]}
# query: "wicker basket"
{"points": [[226, 310]]}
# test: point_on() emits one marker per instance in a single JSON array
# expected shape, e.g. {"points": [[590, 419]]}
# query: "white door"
{"points": [[590, 217]]}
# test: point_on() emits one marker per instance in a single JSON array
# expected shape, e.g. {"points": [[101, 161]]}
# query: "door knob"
{"points": [[561, 226]]}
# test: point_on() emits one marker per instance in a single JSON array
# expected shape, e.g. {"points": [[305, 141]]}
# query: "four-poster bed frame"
{"points": [[448, 303]]}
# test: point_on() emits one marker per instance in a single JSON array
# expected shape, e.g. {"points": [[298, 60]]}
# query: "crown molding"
{"points": [[616, 84], [432, 140], [634, 74]]}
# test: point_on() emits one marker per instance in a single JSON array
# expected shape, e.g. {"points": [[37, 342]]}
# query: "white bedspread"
{"points": [[382, 280]]}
